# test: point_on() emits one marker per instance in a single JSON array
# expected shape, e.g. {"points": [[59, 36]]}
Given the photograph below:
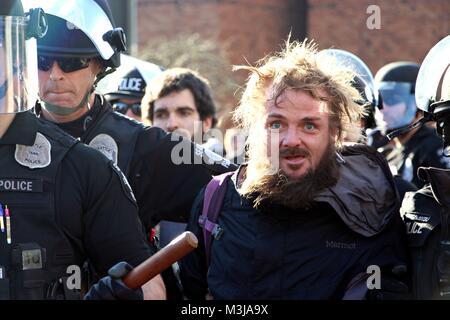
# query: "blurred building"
{"points": [[408, 28], [253, 28]]}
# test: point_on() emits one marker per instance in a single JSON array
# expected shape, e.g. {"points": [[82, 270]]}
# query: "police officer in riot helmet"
{"points": [[426, 212], [371, 101], [80, 48], [53, 208], [410, 149]]}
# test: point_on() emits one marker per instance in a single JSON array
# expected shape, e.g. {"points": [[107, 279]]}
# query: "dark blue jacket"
{"points": [[279, 253]]}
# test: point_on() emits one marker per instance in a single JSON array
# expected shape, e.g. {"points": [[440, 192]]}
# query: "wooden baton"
{"points": [[161, 260]]}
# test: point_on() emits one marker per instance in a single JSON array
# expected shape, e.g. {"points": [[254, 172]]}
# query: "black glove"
{"points": [[112, 287], [393, 286]]}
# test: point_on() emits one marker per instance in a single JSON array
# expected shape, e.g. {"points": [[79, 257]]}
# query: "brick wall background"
{"points": [[254, 28], [408, 28]]}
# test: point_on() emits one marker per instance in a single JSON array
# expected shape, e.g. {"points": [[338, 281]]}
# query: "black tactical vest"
{"points": [[426, 217], [39, 253], [114, 135]]}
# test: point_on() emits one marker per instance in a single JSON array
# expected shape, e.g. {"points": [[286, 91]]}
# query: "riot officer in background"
{"points": [[80, 48], [130, 89], [371, 101], [60, 201], [363, 82], [411, 149], [426, 211]]}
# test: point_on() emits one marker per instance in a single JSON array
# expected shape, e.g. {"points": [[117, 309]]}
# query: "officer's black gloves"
{"points": [[393, 286], [391, 289], [112, 287]]}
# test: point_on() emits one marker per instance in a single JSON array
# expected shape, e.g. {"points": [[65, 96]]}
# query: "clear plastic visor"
{"points": [[394, 93], [350, 61], [18, 66], [430, 73], [399, 108]]}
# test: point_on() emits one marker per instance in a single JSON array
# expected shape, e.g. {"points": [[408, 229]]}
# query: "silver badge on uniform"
{"points": [[35, 156], [31, 259], [106, 145]]}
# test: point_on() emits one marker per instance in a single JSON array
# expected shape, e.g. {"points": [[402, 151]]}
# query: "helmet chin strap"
{"points": [[426, 118], [64, 111]]}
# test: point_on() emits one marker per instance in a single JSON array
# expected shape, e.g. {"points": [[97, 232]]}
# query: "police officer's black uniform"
{"points": [[163, 189], [426, 212], [424, 149], [67, 202]]}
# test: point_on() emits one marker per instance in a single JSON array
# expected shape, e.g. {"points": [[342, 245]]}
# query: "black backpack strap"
{"points": [[212, 204]]}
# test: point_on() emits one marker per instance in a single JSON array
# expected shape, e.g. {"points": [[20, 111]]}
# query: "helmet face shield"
{"points": [[364, 76], [430, 73], [18, 66], [399, 108]]}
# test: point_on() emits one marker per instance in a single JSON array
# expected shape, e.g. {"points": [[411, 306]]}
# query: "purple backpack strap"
{"points": [[212, 204]]}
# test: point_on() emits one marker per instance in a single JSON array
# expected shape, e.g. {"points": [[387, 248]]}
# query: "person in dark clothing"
{"points": [[307, 217], [60, 201], [165, 171], [370, 101], [422, 149], [403, 186], [130, 89], [410, 150], [426, 212]]}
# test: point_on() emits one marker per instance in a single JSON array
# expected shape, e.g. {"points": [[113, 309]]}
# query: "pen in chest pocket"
{"points": [[8, 225], [2, 222]]}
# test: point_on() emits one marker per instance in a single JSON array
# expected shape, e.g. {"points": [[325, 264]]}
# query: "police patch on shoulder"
{"points": [[124, 182], [36, 156], [106, 145]]}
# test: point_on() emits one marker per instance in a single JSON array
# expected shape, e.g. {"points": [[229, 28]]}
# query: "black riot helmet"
{"points": [[433, 89], [396, 83], [18, 72], [131, 85], [401, 71], [130, 80]]}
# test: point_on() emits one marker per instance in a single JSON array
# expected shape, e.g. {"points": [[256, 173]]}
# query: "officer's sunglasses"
{"points": [[123, 107], [66, 64]]}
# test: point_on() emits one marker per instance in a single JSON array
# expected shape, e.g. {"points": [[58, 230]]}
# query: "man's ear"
{"points": [[207, 123]]}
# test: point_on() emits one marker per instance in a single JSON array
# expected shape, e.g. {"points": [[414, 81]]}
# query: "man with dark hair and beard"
{"points": [[306, 217]]}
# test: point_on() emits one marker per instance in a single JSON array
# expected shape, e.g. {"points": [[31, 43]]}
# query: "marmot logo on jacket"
{"points": [[340, 245]]}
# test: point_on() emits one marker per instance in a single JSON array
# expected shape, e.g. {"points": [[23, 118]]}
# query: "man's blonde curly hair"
{"points": [[299, 67]]}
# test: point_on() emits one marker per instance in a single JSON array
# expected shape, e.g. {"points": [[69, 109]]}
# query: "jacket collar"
{"points": [[364, 197]]}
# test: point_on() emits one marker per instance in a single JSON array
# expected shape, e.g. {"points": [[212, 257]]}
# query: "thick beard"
{"points": [[299, 193]]}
